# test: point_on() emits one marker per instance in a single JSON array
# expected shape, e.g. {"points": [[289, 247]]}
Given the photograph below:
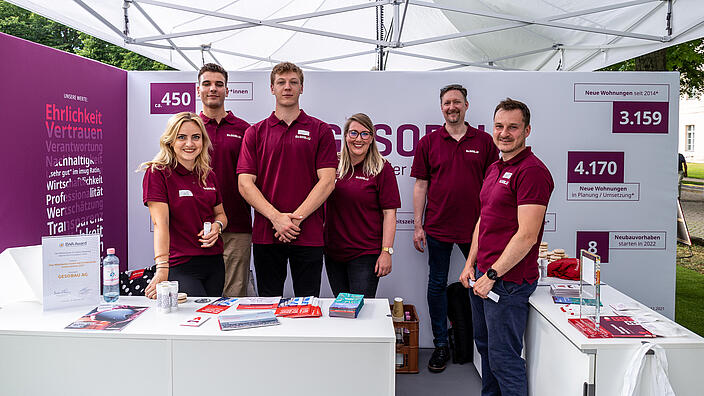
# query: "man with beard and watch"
{"points": [[504, 253], [449, 166]]}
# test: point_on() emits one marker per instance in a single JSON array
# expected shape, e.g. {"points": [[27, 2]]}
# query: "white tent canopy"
{"points": [[388, 34]]}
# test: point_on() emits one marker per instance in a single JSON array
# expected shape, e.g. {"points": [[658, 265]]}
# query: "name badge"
{"points": [[507, 175], [185, 193], [304, 133]]}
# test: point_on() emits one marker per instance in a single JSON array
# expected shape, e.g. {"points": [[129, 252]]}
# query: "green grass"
{"points": [[689, 295], [695, 183], [695, 170]]}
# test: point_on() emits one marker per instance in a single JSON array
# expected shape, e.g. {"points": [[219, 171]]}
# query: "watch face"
{"points": [[491, 274], [391, 250]]}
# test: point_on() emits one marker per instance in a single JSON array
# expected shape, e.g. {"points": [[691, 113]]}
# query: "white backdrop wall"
{"points": [[614, 192]]}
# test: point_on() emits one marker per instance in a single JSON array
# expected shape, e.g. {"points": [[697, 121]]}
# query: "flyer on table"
{"points": [[71, 268]]}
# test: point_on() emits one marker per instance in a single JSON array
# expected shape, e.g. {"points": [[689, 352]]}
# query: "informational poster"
{"points": [[71, 270], [65, 168], [609, 140]]}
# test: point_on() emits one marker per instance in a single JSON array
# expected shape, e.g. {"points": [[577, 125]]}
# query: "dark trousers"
{"points": [[498, 334], [355, 276], [201, 276], [439, 263], [270, 264]]}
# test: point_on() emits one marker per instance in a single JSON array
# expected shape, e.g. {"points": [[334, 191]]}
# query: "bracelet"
{"points": [[162, 262], [164, 267], [222, 227], [161, 255]]}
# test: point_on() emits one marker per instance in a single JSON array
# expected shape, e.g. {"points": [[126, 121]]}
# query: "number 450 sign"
{"points": [[171, 98]]}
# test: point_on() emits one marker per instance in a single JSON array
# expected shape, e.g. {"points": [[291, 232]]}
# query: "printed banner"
{"points": [[611, 148]]}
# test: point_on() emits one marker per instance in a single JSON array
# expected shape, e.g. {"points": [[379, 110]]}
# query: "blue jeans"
{"points": [[439, 262], [498, 334]]}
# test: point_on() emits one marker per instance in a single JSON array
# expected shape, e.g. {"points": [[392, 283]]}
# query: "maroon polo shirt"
{"points": [[227, 140], [522, 180], [190, 205], [354, 217], [285, 160], [454, 171]]}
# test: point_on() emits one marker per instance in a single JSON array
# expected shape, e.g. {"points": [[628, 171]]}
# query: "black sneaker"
{"points": [[439, 359]]}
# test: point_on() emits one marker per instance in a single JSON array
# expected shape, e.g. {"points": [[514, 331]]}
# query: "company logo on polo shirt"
{"points": [[507, 175], [502, 181], [185, 193], [362, 178], [234, 135], [472, 151], [209, 188], [303, 134]]}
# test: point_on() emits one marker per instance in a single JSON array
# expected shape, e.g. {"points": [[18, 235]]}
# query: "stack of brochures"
{"points": [[258, 303], [564, 290], [299, 307], [247, 320], [347, 305]]}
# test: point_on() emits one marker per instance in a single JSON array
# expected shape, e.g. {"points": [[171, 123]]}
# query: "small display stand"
{"points": [[407, 342], [589, 287]]}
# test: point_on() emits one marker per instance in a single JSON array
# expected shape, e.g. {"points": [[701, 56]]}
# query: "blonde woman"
{"points": [[360, 221], [180, 191]]}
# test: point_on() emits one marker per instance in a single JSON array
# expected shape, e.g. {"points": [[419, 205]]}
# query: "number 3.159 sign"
{"points": [[640, 117], [172, 98]]}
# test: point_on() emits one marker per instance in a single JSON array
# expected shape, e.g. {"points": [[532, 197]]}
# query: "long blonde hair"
{"points": [[373, 162], [166, 158]]}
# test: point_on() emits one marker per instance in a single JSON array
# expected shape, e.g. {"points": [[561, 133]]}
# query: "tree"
{"points": [[30, 26], [686, 58]]}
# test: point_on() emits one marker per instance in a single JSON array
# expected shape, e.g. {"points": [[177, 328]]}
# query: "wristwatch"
{"points": [[491, 274], [390, 250]]}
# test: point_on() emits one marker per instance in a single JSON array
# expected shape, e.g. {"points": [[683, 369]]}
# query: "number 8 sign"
{"points": [[595, 242]]}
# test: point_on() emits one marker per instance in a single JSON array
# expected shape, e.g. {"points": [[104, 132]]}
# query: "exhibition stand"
{"points": [[559, 357], [154, 355]]}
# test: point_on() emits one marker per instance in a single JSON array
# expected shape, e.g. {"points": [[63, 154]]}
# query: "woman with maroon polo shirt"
{"points": [[360, 221], [179, 189]]}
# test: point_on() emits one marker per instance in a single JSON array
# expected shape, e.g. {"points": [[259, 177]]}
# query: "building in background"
{"points": [[691, 138]]}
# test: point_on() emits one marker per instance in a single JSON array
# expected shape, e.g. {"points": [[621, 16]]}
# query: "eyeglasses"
{"points": [[353, 134]]}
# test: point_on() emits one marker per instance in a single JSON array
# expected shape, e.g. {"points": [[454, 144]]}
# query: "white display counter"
{"points": [[561, 360], [154, 356]]}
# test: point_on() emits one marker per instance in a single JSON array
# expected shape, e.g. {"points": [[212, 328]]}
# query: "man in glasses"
{"points": [[449, 167], [286, 171]]}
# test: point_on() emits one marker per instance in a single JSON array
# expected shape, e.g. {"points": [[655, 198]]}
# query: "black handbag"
{"points": [[133, 283]]}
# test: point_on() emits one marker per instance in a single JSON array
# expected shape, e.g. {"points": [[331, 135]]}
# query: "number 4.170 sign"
{"points": [[172, 98]]}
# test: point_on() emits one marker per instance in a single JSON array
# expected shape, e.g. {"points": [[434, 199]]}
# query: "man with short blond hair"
{"points": [[286, 171]]}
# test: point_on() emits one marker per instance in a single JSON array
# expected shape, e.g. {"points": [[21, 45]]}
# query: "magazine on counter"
{"points": [[218, 305], [258, 303], [574, 300], [612, 327], [247, 320], [107, 317], [299, 307]]}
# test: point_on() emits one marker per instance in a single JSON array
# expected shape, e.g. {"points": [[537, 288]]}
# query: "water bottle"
{"points": [[111, 277]]}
